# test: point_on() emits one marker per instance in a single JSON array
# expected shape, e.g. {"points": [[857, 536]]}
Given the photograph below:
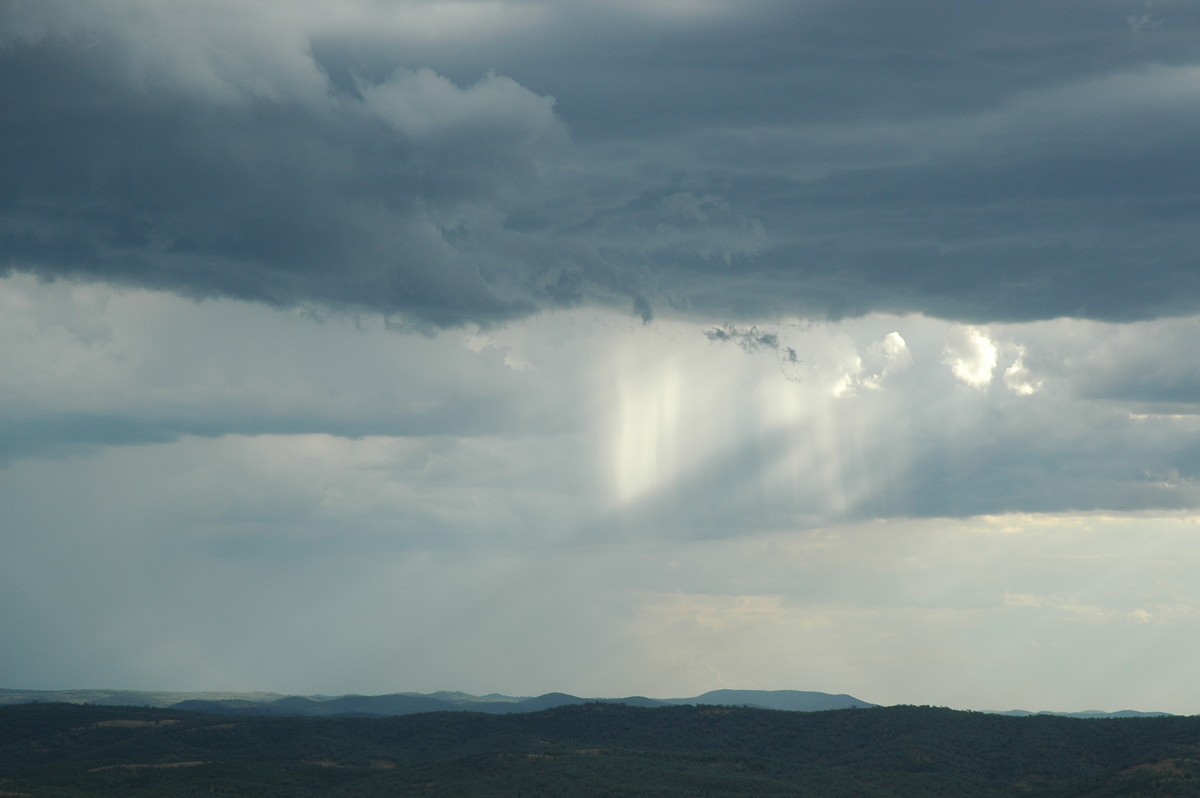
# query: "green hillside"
{"points": [[594, 750]]}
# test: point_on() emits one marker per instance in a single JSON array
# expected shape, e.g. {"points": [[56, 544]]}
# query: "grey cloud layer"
{"points": [[590, 499], [129, 165], [983, 162], [680, 428]]}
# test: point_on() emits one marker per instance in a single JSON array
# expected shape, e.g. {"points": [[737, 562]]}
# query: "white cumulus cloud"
{"points": [[971, 356]]}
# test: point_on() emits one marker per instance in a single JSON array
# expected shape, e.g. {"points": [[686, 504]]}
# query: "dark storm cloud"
{"points": [[387, 201], [972, 161], [622, 69]]}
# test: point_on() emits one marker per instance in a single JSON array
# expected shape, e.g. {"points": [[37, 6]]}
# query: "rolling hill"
{"points": [[594, 749]]}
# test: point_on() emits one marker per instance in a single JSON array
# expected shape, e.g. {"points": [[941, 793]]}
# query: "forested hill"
{"points": [[593, 750]]}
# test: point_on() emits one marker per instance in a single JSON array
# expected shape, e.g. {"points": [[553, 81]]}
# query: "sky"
{"points": [[610, 347]]}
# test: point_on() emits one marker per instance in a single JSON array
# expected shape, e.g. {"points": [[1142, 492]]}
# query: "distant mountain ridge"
{"points": [[394, 704], [411, 703], [1091, 713], [795, 700]]}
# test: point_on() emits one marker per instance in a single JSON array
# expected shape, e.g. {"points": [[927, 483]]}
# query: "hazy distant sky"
{"points": [[603, 346]]}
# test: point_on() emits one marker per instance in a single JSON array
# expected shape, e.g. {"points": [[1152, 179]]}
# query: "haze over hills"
{"points": [[277, 704]]}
